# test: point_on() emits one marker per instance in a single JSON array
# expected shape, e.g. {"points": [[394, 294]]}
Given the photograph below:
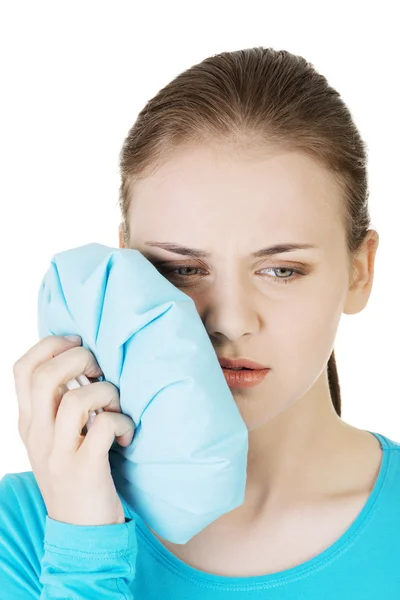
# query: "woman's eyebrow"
{"points": [[270, 251]]}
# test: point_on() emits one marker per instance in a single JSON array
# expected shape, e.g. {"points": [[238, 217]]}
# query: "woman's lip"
{"points": [[240, 362], [244, 379]]}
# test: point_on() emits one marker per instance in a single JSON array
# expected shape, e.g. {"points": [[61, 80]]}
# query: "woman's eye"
{"points": [[186, 275], [295, 273], [187, 269]]}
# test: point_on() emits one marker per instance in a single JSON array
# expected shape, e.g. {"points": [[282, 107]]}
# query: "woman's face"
{"points": [[281, 310]]}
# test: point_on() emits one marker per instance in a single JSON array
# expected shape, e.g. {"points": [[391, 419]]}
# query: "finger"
{"points": [[75, 384], [73, 413], [47, 382], [106, 427], [26, 365], [109, 389]]}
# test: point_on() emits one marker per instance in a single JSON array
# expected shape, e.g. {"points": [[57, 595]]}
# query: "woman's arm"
{"points": [[41, 558]]}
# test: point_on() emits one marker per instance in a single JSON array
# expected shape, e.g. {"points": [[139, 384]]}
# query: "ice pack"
{"points": [[186, 465]]}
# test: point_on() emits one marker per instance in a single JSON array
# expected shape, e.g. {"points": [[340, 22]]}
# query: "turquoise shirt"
{"points": [[43, 558]]}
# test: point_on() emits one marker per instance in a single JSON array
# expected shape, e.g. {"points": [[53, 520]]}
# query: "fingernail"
{"points": [[73, 338]]}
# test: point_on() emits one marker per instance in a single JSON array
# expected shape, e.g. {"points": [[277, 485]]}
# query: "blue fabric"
{"points": [[187, 463], [46, 559]]}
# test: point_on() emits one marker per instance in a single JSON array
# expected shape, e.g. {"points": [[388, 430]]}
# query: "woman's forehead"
{"points": [[277, 185], [280, 198]]}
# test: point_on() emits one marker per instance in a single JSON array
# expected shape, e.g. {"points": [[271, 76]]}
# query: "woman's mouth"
{"points": [[244, 378]]}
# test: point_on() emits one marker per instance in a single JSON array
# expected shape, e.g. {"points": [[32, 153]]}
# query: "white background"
{"points": [[75, 74]]}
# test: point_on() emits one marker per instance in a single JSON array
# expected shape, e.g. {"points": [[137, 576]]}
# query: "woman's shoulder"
{"points": [[386, 442], [22, 507], [389, 472], [20, 491], [22, 524], [19, 480], [385, 496]]}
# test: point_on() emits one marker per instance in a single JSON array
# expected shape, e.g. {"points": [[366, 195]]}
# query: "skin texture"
{"points": [[232, 203]]}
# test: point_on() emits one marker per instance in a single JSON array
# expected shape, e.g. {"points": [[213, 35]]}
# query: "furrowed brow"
{"points": [[195, 253]]}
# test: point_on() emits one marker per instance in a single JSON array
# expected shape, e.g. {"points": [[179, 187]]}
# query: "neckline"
{"points": [[219, 582]]}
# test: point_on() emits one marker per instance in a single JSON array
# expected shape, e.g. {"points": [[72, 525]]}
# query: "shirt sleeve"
{"points": [[41, 558], [88, 561]]}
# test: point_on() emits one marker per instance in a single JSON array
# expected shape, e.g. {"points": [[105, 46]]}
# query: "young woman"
{"points": [[244, 181]]}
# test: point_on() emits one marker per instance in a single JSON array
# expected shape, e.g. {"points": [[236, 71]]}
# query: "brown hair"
{"points": [[256, 96]]}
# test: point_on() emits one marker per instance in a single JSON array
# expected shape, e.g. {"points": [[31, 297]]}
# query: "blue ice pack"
{"points": [[186, 465]]}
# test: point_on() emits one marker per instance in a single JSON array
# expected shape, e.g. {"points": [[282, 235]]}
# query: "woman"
{"points": [[231, 168]]}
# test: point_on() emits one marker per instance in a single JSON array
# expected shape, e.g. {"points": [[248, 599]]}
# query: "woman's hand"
{"points": [[71, 469]]}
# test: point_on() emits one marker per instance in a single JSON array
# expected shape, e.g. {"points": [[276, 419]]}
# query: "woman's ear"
{"points": [[362, 275]]}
